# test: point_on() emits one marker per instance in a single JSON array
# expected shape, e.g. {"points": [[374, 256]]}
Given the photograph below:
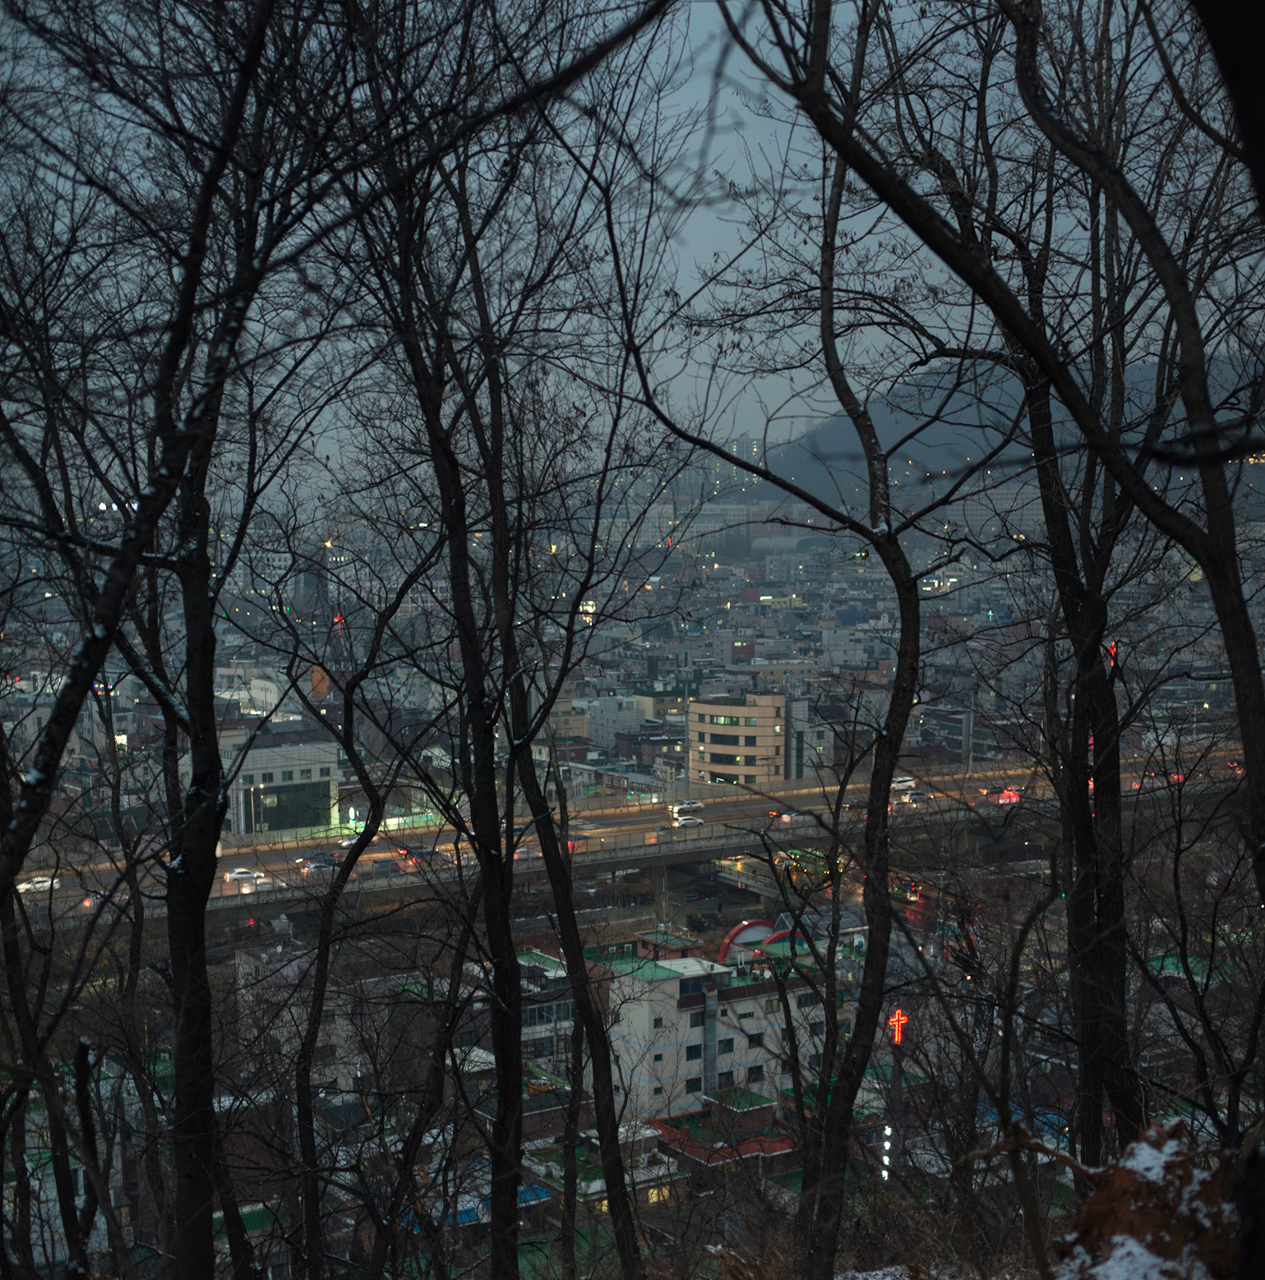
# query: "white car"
{"points": [[243, 876], [688, 822], [38, 884], [347, 841]]}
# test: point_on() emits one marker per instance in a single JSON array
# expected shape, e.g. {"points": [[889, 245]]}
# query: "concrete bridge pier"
{"points": [[659, 878]]}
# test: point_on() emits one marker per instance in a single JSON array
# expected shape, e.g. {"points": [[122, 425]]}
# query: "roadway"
{"points": [[602, 845]]}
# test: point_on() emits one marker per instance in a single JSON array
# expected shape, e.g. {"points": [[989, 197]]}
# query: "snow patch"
{"points": [[1149, 1162]]}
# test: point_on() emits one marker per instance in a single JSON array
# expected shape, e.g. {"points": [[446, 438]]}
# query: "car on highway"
{"points": [[38, 884], [687, 822], [1157, 778], [1235, 766], [245, 878], [903, 782], [323, 855], [997, 795], [382, 869], [423, 854], [322, 864], [347, 841]]}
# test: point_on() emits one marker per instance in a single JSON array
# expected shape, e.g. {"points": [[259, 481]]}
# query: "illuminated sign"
{"points": [[897, 1023]]}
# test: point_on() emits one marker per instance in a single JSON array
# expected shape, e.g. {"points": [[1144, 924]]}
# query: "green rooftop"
{"points": [[631, 965], [740, 1099]]}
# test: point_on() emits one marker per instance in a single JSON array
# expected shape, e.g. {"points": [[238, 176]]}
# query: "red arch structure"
{"points": [[736, 933], [783, 933]]}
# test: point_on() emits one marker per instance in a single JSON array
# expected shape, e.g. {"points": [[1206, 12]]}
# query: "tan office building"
{"points": [[738, 740]]}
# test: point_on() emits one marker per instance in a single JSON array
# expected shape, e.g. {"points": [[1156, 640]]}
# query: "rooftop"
{"points": [[665, 937], [739, 1099]]}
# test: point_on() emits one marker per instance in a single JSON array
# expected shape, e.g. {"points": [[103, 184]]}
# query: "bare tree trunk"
{"points": [[570, 1138]]}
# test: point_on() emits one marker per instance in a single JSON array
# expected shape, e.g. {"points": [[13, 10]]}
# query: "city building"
{"points": [[738, 740]]}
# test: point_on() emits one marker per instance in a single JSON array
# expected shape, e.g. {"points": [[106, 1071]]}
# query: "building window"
{"points": [[817, 1028], [771, 1005], [658, 1057], [265, 777], [749, 1013], [755, 1074], [287, 775], [696, 1018], [725, 1046], [656, 1194], [658, 1024], [702, 719], [806, 1002], [749, 761], [749, 779], [750, 721], [694, 1084], [324, 771], [724, 739], [248, 779], [755, 1040], [305, 775], [749, 740], [658, 1088], [725, 1080], [693, 1052]]}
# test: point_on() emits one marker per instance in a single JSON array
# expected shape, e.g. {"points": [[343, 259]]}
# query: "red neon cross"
{"points": [[897, 1020]]}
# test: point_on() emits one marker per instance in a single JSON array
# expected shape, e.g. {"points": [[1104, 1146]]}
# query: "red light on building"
{"points": [[897, 1023]]}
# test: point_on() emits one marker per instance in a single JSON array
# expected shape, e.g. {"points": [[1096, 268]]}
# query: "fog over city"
{"points": [[630, 641]]}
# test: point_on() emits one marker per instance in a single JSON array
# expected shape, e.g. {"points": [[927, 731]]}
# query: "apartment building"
{"points": [[684, 1029], [738, 740]]}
